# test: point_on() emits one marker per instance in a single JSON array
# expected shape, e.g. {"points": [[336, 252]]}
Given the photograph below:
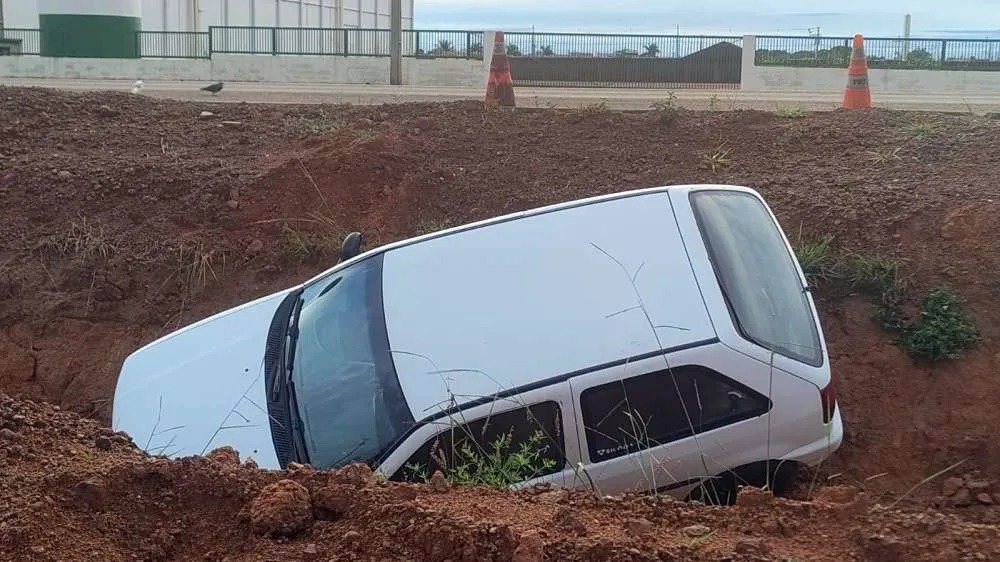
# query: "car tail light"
{"points": [[828, 396]]}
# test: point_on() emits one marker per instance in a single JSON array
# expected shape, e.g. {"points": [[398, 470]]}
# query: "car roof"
{"points": [[451, 231], [525, 301]]}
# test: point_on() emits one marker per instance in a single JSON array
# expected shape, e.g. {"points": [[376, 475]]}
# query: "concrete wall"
{"points": [[801, 79], [253, 68]]}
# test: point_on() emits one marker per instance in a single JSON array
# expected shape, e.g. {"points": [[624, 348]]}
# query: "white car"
{"points": [[658, 339]]}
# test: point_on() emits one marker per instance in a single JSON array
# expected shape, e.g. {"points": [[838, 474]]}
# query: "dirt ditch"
{"points": [[126, 217]]}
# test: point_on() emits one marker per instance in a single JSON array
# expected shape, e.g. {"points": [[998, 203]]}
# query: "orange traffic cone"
{"points": [[500, 88], [858, 95]]}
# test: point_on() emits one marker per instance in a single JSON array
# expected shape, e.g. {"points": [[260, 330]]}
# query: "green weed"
{"points": [[790, 112], [818, 260], [920, 129], [945, 330], [942, 331], [498, 465]]}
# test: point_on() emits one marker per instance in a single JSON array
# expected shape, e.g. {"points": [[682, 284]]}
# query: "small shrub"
{"points": [[601, 106], [945, 329], [667, 111]]}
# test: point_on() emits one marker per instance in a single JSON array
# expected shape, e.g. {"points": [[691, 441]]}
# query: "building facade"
{"points": [[198, 15]]}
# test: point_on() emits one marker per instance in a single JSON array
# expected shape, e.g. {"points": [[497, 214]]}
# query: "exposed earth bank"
{"points": [[125, 218]]}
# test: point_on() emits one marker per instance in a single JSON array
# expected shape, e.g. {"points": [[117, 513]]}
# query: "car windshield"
{"points": [[346, 390]]}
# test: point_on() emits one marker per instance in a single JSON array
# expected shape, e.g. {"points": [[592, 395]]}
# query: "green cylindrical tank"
{"points": [[90, 28]]}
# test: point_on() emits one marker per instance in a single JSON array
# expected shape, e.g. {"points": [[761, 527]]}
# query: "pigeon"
{"points": [[136, 86], [214, 88]]}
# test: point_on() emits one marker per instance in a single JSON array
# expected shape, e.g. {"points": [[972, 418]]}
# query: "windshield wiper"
{"points": [[295, 427]]}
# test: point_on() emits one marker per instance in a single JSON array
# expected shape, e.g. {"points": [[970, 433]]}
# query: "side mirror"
{"points": [[351, 246]]}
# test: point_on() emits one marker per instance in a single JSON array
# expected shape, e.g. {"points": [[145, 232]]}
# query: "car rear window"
{"points": [[758, 274]]}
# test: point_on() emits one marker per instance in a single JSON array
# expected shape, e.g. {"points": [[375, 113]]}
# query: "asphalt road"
{"points": [[614, 98]]}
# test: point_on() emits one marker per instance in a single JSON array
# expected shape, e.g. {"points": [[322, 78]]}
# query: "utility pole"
{"points": [[396, 43]]}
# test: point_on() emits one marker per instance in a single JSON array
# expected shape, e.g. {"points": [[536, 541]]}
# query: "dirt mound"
{"points": [[75, 491], [128, 217]]}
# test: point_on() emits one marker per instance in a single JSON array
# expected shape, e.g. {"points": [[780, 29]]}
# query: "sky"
{"points": [[874, 18]]}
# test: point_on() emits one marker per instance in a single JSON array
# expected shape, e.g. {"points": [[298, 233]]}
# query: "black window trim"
{"points": [[552, 381], [767, 406], [725, 294]]}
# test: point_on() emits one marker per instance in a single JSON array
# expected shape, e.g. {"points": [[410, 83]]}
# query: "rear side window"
{"points": [[649, 410], [517, 444], [757, 274]]}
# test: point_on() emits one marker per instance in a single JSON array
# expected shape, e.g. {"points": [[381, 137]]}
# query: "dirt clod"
{"points": [[92, 493], [103, 443], [439, 483], [951, 486], [281, 509], [530, 548], [10, 435], [224, 455], [752, 496], [695, 531], [639, 527]]}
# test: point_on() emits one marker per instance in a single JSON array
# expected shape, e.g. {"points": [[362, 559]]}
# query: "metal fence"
{"points": [[556, 59], [443, 44], [20, 41], [607, 60], [895, 53], [173, 44], [359, 42]]}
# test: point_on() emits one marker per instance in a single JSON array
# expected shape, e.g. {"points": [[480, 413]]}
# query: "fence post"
{"points": [[468, 44], [210, 47], [944, 51], [274, 41], [138, 44], [416, 43], [346, 40]]}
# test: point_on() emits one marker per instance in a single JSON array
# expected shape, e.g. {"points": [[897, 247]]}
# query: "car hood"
{"points": [[201, 387]]}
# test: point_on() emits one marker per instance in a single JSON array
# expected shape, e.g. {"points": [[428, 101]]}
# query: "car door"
{"points": [[666, 423]]}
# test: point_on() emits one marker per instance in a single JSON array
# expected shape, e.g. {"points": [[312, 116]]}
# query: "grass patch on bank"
{"points": [[943, 330]]}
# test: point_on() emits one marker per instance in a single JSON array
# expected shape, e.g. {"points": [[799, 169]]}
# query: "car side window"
{"points": [[649, 410], [498, 449]]}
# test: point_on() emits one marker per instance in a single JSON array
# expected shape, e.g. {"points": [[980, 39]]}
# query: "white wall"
{"points": [[799, 79], [253, 68]]}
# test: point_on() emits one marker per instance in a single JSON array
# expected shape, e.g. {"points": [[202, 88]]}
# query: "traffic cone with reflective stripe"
{"points": [[500, 87], [858, 95]]}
